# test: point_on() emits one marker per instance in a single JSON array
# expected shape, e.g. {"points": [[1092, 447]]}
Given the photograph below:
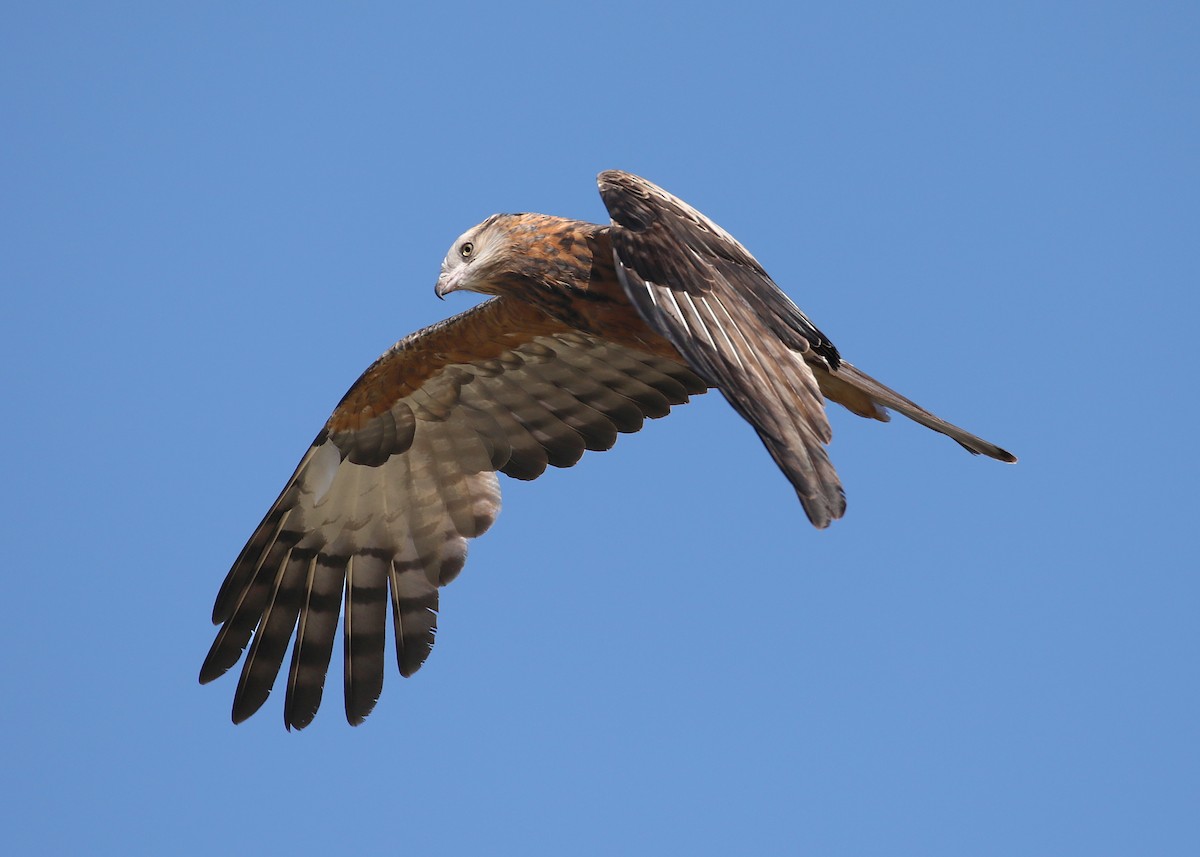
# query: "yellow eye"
{"points": [[466, 250]]}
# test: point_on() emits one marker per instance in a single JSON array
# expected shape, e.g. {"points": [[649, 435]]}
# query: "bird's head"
{"points": [[471, 263], [507, 249]]}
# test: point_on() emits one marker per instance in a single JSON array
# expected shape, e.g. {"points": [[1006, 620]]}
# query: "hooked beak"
{"points": [[446, 284]]}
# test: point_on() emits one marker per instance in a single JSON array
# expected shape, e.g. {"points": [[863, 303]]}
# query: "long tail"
{"points": [[862, 394]]}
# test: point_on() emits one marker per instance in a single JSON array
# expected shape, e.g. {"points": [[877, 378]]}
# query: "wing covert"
{"points": [[697, 286], [381, 506]]}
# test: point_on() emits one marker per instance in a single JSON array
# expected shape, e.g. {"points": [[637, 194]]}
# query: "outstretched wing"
{"points": [[401, 476], [698, 287]]}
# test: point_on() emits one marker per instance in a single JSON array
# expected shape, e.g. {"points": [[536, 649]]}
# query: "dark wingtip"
{"points": [[292, 721], [823, 509], [207, 673], [216, 663], [242, 713], [975, 446], [622, 180], [246, 705], [609, 177]]}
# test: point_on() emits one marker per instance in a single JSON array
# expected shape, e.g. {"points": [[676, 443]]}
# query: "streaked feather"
{"points": [[593, 329]]}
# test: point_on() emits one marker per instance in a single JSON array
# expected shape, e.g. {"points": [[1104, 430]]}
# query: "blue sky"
{"points": [[215, 216]]}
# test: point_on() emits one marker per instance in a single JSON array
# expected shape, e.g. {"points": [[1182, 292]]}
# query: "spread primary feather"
{"points": [[592, 329]]}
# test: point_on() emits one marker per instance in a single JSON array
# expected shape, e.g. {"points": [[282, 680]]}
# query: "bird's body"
{"points": [[591, 330]]}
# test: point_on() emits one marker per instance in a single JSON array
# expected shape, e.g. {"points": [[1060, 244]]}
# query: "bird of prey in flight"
{"points": [[590, 330]]}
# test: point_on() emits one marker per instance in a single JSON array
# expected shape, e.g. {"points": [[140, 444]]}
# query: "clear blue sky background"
{"points": [[214, 216]]}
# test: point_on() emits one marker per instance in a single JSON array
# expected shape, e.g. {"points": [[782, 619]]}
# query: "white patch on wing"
{"points": [[320, 472]]}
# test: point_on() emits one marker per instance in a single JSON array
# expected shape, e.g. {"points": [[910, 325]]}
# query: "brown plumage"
{"points": [[592, 330]]}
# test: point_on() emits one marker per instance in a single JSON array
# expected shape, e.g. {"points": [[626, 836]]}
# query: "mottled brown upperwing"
{"points": [[481, 333], [595, 329], [497, 326], [403, 475], [697, 286], [676, 247]]}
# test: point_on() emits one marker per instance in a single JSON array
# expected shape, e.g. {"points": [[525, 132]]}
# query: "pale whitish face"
{"points": [[469, 259]]}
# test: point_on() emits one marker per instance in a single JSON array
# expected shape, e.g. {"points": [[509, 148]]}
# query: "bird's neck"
{"points": [[553, 256]]}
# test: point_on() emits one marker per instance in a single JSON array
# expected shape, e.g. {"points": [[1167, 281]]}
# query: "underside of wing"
{"points": [[381, 506], [698, 287]]}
